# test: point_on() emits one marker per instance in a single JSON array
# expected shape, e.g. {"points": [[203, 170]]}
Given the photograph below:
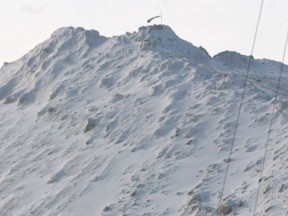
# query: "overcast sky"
{"points": [[217, 25]]}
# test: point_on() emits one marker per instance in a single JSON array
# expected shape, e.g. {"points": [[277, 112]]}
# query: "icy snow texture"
{"points": [[138, 124]]}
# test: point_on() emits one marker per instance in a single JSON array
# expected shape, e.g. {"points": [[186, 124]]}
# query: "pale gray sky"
{"points": [[217, 25]]}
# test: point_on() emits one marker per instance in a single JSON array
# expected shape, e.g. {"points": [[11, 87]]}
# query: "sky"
{"points": [[215, 25]]}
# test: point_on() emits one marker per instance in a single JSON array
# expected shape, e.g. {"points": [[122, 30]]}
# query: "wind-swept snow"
{"points": [[138, 124]]}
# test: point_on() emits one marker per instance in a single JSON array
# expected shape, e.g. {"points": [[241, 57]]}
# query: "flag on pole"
{"points": [[149, 20]]}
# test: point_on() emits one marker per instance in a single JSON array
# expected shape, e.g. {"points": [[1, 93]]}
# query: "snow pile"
{"points": [[138, 124], [164, 40]]}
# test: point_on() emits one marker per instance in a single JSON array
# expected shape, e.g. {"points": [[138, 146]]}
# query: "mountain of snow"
{"points": [[139, 124]]}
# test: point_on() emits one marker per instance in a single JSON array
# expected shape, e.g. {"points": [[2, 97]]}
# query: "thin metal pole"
{"points": [[270, 125]]}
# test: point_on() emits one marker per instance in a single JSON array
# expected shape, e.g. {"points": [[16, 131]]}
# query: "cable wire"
{"points": [[240, 106], [270, 125]]}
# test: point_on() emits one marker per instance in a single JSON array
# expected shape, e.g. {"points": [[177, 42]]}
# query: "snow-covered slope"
{"points": [[138, 124]]}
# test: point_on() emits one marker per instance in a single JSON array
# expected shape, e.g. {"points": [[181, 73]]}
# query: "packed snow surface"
{"points": [[139, 124]]}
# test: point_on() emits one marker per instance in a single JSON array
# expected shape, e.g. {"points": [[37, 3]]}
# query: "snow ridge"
{"points": [[138, 124]]}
